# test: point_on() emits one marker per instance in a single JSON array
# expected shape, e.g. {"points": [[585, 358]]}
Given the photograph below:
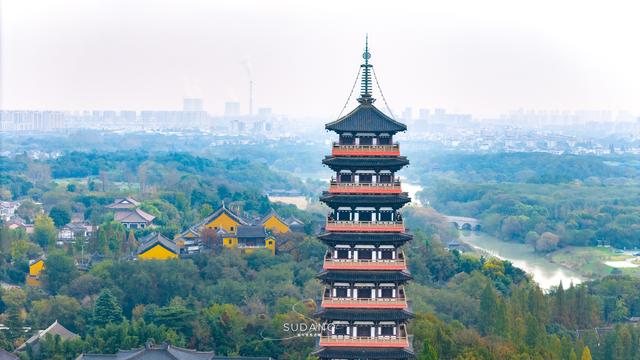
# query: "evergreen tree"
{"points": [[59, 270], [560, 309], [586, 354], [60, 216], [572, 355], [107, 310], [534, 332], [428, 352], [488, 310], [502, 322]]}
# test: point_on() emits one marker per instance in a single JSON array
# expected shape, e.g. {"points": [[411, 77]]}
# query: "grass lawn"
{"points": [[589, 261]]}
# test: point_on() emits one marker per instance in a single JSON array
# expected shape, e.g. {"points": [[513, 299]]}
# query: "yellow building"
{"points": [[223, 218], [157, 247], [250, 238], [274, 223], [35, 269]]}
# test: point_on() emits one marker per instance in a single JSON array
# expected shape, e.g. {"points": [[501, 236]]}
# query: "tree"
{"points": [[28, 210], [586, 354], [44, 231], [107, 310], [547, 242], [60, 216], [488, 310], [428, 352], [62, 308], [59, 270]]}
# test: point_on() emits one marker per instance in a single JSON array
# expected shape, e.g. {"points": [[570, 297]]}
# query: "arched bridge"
{"points": [[464, 223]]}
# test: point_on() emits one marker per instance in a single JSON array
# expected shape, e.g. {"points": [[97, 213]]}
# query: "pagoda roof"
{"points": [[392, 163], [366, 118], [365, 314], [331, 238], [360, 276], [363, 353], [365, 199]]}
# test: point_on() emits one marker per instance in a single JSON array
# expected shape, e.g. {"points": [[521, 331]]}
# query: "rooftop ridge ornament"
{"points": [[365, 88]]}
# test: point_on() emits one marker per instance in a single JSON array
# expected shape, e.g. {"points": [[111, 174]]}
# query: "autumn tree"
{"points": [[44, 231]]}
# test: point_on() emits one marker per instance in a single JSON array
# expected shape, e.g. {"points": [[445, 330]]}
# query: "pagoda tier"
{"points": [[364, 305], [344, 257], [338, 163]]}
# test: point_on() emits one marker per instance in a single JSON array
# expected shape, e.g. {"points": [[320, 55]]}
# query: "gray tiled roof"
{"points": [[161, 352], [371, 276], [365, 314], [366, 118], [251, 231], [217, 212], [156, 238]]}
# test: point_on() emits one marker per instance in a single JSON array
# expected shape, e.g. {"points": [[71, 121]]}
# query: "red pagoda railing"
{"points": [[365, 150], [364, 188], [365, 341], [365, 226], [365, 264], [369, 303]]}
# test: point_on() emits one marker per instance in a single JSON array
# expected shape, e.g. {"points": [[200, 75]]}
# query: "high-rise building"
{"points": [[192, 104], [364, 307], [231, 108], [423, 114], [407, 114]]}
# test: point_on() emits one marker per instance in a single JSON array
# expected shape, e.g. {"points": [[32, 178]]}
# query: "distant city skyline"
{"points": [[482, 58]]}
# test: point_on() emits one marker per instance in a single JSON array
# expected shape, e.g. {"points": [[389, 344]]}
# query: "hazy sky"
{"points": [[484, 57]]}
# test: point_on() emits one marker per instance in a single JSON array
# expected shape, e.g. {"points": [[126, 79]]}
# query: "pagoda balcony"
{"points": [[365, 150], [365, 341], [366, 303], [336, 187], [365, 264], [364, 226]]}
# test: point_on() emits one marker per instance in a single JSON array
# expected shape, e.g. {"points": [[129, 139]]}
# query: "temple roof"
{"points": [[366, 118], [363, 353], [154, 239], [219, 211], [360, 276], [164, 351], [365, 314], [133, 216], [54, 329], [273, 213], [123, 203], [251, 231]]}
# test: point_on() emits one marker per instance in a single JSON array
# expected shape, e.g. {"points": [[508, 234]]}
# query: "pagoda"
{"points": [[364, 306]]}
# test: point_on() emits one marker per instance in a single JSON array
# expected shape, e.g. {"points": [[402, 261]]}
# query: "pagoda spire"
{"points": [[365, 87]]}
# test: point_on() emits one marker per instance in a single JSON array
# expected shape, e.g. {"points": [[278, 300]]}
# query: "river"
{"points": [[546, 273]]}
